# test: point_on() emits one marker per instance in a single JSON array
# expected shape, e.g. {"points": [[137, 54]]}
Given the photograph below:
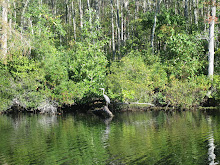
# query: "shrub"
{"points": [[132, 80], [216, 87], [186, 93], [22, 81], [184, 56], [6, 92]]}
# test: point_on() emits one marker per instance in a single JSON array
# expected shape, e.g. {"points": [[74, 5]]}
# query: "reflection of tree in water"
{"points": [[47, 120], [43, 120], [113, 159], [106, 132], [211, 145], [19, 120]]}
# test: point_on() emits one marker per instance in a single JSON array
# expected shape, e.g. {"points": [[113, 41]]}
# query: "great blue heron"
{"points": [[106, 97]]}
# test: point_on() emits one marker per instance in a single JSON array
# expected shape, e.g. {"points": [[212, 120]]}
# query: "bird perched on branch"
{"points": [[106, 97]]}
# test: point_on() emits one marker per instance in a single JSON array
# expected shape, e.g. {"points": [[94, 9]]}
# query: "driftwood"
{"points": [[137, 103], [107, 111]]}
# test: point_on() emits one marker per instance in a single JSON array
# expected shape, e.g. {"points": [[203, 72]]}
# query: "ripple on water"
{"points": [[135, 138]]}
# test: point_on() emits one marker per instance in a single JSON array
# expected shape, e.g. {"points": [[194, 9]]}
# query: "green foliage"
{"points": [[132, 80], [170, 18], [37, 71], [140, 77], [217, 62], [5, 88], [186, 93], [76, 74], [184, 56], [87, 66], [45, 62], [139, 41], [45, 31], [22, 82], [216, 86]]}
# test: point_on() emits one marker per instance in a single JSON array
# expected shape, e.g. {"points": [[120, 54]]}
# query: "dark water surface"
{"points": [[191, 137]]}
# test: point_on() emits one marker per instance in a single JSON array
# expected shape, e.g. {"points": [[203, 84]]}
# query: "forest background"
{"points": [[146, 51]]}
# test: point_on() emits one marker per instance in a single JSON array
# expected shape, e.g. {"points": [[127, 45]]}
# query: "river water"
{"points": [[189, 137]]}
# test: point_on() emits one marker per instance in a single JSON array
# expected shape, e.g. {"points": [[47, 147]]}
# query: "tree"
{"points": [[195, 6], [186, 10], [113, 31], [4, 30], [211, 38], [118, 27], [74, 21], [81, 14], [155, 23]]}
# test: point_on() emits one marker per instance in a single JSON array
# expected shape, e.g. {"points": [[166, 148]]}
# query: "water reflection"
{"points": [[106, 132], [211, 145], [47, 120], [128, 138]]}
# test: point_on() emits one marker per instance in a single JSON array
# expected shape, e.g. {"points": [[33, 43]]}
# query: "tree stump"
{"points": [[107, 112]]}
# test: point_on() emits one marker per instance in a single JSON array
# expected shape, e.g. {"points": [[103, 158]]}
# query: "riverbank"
{"points": [[98, 107]]}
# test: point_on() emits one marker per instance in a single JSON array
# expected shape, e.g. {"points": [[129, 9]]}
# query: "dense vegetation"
{"points": [[63, 51]]}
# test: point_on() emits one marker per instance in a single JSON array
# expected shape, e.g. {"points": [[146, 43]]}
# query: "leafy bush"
{"points": [[216, 87], [217, 62], [22, 81], [184, 56], [140, 77], [131, 80], [5, 88], [186, 93]]}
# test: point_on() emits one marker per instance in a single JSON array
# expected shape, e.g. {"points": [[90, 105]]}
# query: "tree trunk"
{"points": [[154, 25], [52, 6], [22, 17], [122, 22], [136, 9], [113, 31], [90, 17], [74, 22], [55, 7], [195, 5], [108, 113], [97, 9], [190, 13], [15, 13], [23, 12], [40, 4], [4, 30], [126, 21], [118, 27], [144, 6], [81, 14], [186, 10], [31, 26], [211, 39], [66, 11]]}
